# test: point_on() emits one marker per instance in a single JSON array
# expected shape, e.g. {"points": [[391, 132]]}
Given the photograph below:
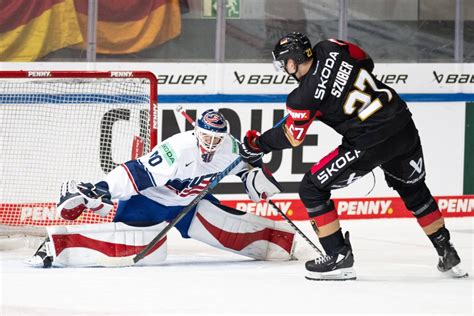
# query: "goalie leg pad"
{"points": [[243, 233], [103, 244]]}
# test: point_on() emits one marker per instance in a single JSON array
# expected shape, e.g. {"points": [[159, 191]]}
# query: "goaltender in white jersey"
{"points": [[152, 190]]}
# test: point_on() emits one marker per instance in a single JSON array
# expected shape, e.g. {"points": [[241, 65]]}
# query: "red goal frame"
{"points": [[71, 74], [88, 217]]}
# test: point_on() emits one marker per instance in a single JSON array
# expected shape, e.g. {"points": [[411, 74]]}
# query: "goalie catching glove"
{"points": [[260, 184], [76, 198]]}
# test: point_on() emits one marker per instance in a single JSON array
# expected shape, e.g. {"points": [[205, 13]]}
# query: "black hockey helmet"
{"points": [[295, 46]]}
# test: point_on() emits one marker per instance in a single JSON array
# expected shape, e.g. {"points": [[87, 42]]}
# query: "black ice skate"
{"points": [[336, 267], [42, 257], [449, 262]]}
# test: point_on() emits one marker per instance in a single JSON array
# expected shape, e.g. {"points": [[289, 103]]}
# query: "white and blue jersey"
{"points": [[173, 173], [155, 187]]}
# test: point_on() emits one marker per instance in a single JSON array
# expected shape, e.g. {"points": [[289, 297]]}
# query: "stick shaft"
{"points": [[289, 221], [186, 115], [194, 202], [186, 210]]}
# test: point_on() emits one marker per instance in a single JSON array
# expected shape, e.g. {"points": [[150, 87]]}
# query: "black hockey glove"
{"points": [[249, 151]]}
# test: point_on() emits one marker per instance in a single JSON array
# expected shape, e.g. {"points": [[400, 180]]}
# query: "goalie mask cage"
{"points": [[62, 125]]}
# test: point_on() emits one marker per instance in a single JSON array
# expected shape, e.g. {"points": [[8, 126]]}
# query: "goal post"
{"points": [[61, 125]]}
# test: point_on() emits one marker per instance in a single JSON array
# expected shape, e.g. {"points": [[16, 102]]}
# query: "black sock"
{"points": [[332, 243], [440, 239]]}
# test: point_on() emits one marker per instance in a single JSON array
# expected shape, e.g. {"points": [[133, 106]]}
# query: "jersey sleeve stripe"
{"points": [[149, 173], [139, 176], [298, 132], [130, 177]]}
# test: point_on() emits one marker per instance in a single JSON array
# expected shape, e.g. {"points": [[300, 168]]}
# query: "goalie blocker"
{"points": [[212, 223]]}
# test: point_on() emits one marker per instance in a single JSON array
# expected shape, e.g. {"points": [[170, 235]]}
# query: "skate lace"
{"points": [[322, 259]]}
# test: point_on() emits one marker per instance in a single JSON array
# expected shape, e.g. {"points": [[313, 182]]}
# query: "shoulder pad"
{"points": [[300, 98]]}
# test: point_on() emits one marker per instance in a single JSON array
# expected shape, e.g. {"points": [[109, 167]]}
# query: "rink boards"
{"points": [[440, 97]]}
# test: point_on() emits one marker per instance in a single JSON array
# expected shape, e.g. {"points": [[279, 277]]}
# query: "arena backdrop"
{"points": [[252, 96]]}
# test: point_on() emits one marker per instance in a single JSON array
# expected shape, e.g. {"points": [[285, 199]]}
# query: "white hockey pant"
{"points": [[103, 244], [243, 233]]}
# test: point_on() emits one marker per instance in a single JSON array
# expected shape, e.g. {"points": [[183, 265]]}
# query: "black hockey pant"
{"points": [[400, 157]]}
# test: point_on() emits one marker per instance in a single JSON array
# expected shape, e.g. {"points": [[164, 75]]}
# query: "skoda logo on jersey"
{"points": [[338, 163], [190, 186]]}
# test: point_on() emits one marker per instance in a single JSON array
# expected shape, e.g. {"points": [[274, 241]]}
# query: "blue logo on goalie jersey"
{"points": [[190, 186]]}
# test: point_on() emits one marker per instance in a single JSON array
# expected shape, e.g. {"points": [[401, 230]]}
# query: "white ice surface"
{"points": [[395, 264]]}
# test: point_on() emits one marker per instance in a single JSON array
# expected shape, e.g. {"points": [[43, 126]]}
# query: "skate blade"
{"points": [[457, 272], [35, 262], [337, 275]]}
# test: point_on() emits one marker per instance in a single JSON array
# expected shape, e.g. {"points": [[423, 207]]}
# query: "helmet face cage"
{"points": [[210, 131], [278, 64], [295, 46]]}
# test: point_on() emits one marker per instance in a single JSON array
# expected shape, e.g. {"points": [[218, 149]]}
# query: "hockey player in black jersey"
{"points": [[337, 87]]}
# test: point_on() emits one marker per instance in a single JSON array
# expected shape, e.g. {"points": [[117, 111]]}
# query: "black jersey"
{"points": [[341, 91]]}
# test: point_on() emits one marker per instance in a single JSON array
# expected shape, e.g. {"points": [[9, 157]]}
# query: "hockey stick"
{"points": [[186, 210], [131, 260], [287, 219]]}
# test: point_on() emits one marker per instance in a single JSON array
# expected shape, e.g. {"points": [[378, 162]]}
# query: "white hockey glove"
{"points": [[260, 184], [75, 199]]}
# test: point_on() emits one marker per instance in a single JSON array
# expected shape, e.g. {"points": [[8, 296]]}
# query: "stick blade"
{"points": [[116, 261]]}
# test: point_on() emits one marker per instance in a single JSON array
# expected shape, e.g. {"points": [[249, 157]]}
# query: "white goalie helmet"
{"points": [[211, 130]]}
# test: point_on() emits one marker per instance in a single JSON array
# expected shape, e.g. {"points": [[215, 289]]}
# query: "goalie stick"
{"points": [[131, 260], [186, 210], [285, 217]]}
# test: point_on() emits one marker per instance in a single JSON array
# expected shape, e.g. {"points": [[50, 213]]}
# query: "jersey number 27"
{"points": [[362, 101]]}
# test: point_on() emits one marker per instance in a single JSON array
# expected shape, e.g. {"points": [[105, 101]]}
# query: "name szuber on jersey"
{"points": [[342, 76]]}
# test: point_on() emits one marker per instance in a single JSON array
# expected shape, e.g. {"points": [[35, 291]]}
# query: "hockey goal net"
{"points": [[61, 125]]}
